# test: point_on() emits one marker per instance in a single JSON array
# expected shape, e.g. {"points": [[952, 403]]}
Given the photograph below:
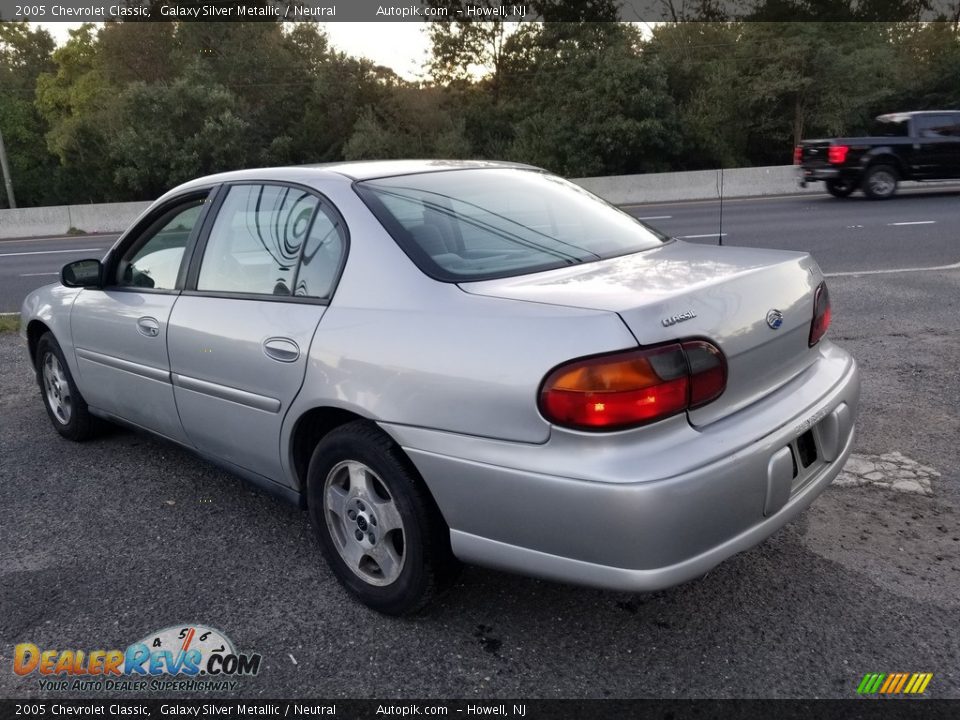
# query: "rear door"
{"points": [[120, 331], [937, 146], [240, 333]]}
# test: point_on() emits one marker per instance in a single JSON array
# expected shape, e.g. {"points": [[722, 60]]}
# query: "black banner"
{"points": [[479, 10], [468, 709]]}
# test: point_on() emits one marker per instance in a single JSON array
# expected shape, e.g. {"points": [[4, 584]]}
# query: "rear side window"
{"points": [[323, 255], [886, 126], [256, 241], [479, 224]]}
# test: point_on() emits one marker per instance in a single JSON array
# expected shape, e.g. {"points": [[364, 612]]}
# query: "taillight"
{"points": [[635, 387], [821, 314], [837, 154], [797, 155]]}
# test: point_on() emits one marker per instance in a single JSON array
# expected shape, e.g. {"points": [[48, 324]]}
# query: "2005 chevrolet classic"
{"points": [[460, 360]]}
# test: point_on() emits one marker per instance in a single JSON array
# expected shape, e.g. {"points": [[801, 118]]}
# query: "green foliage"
{"points": [[24, 55], [124, 111], [411, 125], [593, 104]]}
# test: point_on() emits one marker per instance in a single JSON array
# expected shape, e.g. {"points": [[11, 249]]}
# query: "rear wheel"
{"points": [[840, 188], [379, 528], [65, 405], [880, 182]]}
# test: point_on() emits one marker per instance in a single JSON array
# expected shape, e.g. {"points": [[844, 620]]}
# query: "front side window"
{"points": [[153, 260], [934, 126], [461, 225], [256, 240]]}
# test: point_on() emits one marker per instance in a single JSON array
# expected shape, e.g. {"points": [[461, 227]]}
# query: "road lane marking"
{"points": [[37, 274], [690, 237], [850, 273], [50, 252], [915, 222], [656, 217]]}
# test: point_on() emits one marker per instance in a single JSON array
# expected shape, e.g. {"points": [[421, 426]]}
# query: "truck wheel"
{"points": [[840, 188], [880, 182]]}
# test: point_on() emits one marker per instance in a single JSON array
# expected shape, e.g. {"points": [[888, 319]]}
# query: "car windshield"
{"points": [[490, 223]]}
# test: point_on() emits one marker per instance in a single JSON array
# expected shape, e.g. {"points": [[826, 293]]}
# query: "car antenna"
{"points": [[720, 231]]}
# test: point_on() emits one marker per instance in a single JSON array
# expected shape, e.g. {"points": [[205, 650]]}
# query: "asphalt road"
{"points": [[915, 228], [103, 542], [32, 263]]}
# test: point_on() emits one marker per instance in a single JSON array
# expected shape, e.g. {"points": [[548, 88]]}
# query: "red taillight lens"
{"points": [[797, 155], [708, 372], [613, 392], [837, 154], [821, 314]]}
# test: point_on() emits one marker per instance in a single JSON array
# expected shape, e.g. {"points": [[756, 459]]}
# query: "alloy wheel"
{"points": [[364, 523], [57, 389]]}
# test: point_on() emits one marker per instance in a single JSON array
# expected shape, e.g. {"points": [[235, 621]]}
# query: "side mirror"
{"points": [[81, 273]]}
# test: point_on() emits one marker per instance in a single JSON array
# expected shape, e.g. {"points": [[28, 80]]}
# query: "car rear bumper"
{"points": [[813, 174], [645, 509]]}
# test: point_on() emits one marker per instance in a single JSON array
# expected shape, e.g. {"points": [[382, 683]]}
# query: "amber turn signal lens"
{"points": [[636, 387]]}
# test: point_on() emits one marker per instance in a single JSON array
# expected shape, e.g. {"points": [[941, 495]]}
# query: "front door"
{"points": [[240, 334], [120, 331]]}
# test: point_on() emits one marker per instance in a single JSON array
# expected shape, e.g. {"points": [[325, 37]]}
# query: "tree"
{"points": [[166, 134], [593, 103], [411, 124], [24, 54]]}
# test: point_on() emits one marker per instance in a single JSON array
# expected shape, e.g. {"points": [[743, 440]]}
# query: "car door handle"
{"points": [[281, 349], [148, 326]]}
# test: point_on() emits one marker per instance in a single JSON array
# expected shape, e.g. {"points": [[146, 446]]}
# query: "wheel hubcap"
{"points": [[56, 389], [881, 183], [364, 523]]}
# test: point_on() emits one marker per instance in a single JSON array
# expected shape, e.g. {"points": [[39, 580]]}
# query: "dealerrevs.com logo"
{"points": [[180, 657]]}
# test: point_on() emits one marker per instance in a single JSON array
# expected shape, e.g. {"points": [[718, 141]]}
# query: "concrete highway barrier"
{"points": [[67, 219], [697, 185], [617, 189]]}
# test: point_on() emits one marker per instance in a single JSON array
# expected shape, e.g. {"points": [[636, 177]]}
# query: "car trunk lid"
{"points": [[681, 290]]}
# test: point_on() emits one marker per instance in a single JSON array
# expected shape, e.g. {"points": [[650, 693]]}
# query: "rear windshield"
{"points": [[889, 127], [482, 224]]}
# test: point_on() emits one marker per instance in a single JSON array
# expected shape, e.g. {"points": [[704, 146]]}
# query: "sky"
{"points": [[401, 46]]}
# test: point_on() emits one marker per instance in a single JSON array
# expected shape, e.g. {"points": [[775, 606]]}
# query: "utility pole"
{"points": [[5, 168]]}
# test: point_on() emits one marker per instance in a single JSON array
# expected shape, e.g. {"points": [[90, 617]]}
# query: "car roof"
{"points": [[356, 170], [898, 116]]}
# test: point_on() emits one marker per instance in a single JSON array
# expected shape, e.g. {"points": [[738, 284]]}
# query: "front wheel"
{"points": [[379, 528], [840, 188], [880, 182], [65, 405]]}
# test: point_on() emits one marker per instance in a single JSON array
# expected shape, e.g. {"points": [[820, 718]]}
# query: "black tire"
{"points": [[880, 182], [840, 188], [76, 423], [427, 566]]}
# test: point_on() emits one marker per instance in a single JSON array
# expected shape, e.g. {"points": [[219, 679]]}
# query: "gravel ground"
{"points": [[103, 542]]}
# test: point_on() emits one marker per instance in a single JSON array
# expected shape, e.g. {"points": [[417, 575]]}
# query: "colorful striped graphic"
{"points": [[894, 683]]}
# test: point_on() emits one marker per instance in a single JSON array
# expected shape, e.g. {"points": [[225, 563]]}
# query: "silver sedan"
{"points": [[468, 361]]}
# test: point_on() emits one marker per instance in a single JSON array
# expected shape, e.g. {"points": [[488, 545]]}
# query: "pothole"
{"points": [[890, 471]]}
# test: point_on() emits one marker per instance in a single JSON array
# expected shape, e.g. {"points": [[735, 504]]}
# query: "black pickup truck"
{"points": [[902, 146]]}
